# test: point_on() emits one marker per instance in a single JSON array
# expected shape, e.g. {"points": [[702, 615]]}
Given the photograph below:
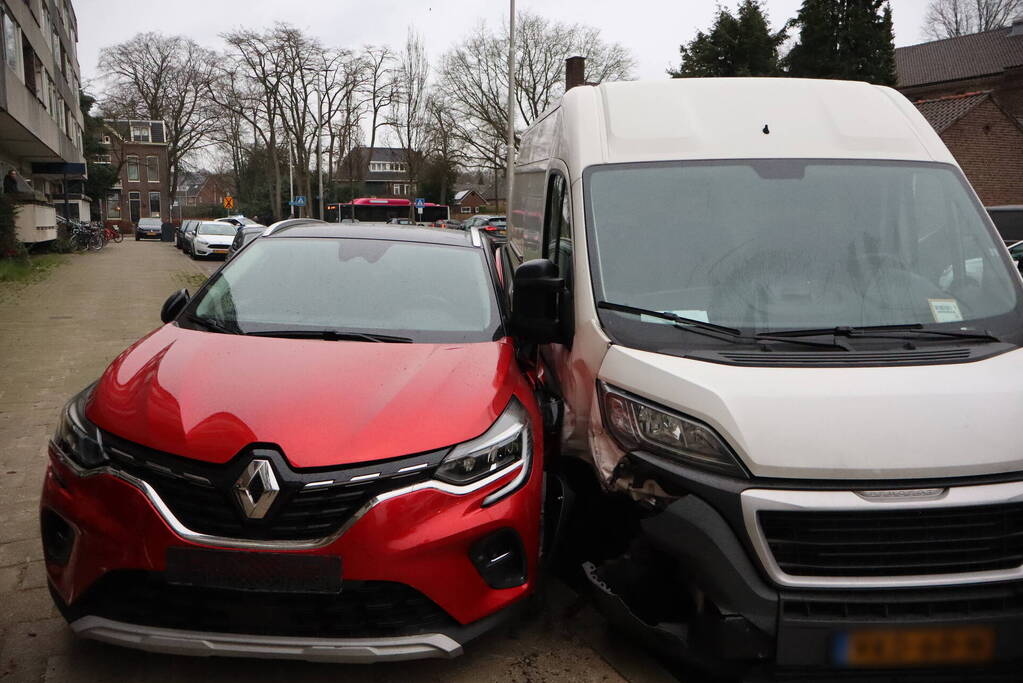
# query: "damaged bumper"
{"points": [[735, 614]]}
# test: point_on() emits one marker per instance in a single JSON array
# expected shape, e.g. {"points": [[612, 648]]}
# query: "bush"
{"points": [[10, 247]]}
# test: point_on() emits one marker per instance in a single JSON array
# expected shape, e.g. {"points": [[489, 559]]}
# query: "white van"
{"points": [[782, 325]]}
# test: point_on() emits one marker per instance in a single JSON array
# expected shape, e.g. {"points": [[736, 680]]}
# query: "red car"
{"points": [[316, 457]]}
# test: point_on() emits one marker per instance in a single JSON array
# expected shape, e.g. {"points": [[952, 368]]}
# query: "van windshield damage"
{"points": [[772, 246]]}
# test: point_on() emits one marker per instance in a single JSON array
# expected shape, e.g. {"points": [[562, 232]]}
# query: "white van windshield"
{"points": [[795, 244]]}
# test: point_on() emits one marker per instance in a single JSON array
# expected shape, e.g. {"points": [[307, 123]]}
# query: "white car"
{"points": [[211, 238]]}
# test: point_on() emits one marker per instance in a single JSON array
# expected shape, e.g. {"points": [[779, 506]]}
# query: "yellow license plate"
{"points": [[219, 251], [916, 647]]}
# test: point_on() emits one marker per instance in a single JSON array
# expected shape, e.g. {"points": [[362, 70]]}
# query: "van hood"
{"points": [[207, 396], [914, 422]]}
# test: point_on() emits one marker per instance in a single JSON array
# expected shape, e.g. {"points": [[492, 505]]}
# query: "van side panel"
{"points": [[525, 222]]}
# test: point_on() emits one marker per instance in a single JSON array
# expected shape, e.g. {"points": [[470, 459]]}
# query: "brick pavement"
{"points": [[58, 335]]}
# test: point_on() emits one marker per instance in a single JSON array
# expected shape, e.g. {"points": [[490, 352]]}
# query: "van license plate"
{"points": [[915, 647], [265, 572]]}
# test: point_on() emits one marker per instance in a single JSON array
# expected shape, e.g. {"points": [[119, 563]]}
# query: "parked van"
{"points": [[781, 325]]}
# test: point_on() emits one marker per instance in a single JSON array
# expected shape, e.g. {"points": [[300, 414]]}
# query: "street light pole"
{"points": [[510, 170], [319, 150], [291, 179]]}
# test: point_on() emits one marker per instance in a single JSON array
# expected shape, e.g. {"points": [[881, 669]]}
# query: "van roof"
{"points": [[742, 118]]}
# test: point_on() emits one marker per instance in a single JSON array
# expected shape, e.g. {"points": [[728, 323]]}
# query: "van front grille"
{"points": [[904, 542]]}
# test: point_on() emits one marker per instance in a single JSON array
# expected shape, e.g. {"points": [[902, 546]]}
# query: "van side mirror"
{"points": [[535, 302], [174, 304]]}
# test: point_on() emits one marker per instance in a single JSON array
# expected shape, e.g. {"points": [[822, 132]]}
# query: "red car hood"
{"points": [[324, 403]]}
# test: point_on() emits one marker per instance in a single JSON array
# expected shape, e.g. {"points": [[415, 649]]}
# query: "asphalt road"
{"points": [[55, 337]]}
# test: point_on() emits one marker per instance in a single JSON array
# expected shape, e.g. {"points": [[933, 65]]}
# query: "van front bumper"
{"points": [[754, 618]]}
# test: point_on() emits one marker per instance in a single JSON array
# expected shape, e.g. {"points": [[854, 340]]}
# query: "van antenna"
{"points": [[767, 131]]}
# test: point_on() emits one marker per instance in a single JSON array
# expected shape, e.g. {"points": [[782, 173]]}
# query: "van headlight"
{"points": [[76, 437], [504, 447], [639, 424]]}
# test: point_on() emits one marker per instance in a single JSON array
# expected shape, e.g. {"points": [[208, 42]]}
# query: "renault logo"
{"points": [[256, 489]]}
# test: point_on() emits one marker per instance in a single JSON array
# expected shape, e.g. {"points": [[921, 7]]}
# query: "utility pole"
{"points": [[510, 169], [291, 179], [319, 150]]}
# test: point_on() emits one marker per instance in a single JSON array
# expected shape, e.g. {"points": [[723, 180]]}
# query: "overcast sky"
{"points": [[652, 29]]}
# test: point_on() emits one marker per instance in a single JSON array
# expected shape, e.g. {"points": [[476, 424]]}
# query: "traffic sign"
{"points": [[228, 202], [299, 200], [420, 203]]}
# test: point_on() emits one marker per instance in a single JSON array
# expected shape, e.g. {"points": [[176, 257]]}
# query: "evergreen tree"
{"points": [[739, 44], [844, 39]]}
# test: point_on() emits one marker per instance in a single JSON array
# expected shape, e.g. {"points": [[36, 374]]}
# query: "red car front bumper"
{"points": [[414, 544]]}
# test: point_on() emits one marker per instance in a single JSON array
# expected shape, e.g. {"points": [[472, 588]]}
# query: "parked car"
{"points": [[399, 221], [179, 233], [1016, 251], [243, 236], [148, 227], [476, 221], [794, 436], [283, 471], [450, 224], [211, 238], [1009, 221], [238, 220]]}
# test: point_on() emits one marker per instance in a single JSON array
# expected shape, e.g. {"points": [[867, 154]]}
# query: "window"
{"points": [[154, 204], [152, 169], [140, 132], [558, 228], [466, 209], [12, 45], [114, 204], [132, 163], [293, 284]]}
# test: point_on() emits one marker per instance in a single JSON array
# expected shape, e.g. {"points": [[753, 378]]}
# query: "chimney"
{"points": [[575, 72]]}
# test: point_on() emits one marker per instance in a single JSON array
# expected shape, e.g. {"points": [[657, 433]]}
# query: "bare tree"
{"points": [[444, 147], [378, 92], [250, 81], [952, 18], [476, 76], [165, 78], [408, 115]]}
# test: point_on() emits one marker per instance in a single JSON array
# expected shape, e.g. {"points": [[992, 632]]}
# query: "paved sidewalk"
{"points": [[58, 335]]}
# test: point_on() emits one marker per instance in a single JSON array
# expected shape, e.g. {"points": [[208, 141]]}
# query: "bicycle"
{"points": [[112, 234], [84, 236]]}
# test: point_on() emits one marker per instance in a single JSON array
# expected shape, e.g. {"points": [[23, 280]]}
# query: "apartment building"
{"points": [[40, 118]]}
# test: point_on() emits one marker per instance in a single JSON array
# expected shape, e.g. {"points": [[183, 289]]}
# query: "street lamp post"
{"points": [[510, 170]]}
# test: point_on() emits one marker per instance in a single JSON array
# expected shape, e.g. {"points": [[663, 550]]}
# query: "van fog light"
{"points": [[638, 424]]}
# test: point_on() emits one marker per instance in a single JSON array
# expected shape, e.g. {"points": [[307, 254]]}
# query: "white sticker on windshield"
{"points": [[692, 315], [945, 310]]}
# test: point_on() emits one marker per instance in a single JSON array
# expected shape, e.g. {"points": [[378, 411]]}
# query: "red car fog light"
{"points": [[58, 537], [500, 559]]}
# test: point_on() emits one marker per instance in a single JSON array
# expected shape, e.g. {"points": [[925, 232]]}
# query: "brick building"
{"points": [[985, 140], [971, 90], [202, 188], [140, 148], [467, 202]]}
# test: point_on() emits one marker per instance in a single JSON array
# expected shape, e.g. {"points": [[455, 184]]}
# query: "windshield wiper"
{"points": [[332, 335], [211, 325], [677, 319], [711, 330], [902, 331]]}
